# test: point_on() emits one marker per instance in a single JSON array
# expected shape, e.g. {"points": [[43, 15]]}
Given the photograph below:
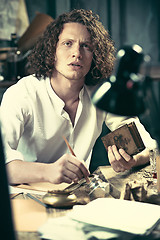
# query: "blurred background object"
{"points": [[14, 18], [17, 37], [34, 31]]}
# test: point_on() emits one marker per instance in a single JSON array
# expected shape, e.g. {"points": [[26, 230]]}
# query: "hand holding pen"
{"points": [[72, 152], [67, 169]]}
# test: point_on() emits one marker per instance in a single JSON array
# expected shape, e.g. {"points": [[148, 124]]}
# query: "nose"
{"points": [[77, 52]]}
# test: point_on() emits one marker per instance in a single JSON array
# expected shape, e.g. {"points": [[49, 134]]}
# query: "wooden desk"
{"points": [[119, 180]]}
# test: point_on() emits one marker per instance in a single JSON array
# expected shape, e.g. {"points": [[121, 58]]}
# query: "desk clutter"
{"points": [[111, 206]]}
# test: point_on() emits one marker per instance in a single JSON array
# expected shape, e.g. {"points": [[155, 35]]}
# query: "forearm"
{"points": [[142, 158], [66, 169], [24, 172]]}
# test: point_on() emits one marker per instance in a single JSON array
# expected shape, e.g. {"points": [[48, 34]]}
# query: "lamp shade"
{"points": [[123, 93]]}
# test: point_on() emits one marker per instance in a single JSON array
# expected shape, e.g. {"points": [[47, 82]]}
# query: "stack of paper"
{"points": [[103, 216], [123, 215]]}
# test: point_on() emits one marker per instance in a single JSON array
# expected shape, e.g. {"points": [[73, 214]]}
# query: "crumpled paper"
{"points": [[142, 191]]}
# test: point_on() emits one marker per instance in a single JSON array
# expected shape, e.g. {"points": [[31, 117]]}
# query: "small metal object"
{"points": [[96, 182], [108, 188], [59, 198], [63, 198]]}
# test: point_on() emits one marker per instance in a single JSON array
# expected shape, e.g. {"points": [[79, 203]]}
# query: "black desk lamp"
{"points": [[128, 93], [122, 93]]}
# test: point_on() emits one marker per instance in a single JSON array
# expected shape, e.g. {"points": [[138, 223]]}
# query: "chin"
{"points": [[76, 77]]}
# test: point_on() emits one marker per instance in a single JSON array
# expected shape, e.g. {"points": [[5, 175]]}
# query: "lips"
{"points": [[75, 64]]}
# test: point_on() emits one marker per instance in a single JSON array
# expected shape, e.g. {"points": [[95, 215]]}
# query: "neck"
{"points": [[66, 89]]}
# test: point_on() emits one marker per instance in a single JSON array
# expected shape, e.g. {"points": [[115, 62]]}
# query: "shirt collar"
{"points": [[56, 101]]}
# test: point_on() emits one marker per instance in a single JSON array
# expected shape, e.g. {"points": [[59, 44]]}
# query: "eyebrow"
{"points": [[71, 39]]}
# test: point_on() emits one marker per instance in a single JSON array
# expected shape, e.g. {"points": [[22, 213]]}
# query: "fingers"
{"points": [[72, 169], [79, 168], [115, 160], [120, 160]]}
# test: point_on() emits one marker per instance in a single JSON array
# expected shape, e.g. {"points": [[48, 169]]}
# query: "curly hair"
{"points": [[42, 57]]}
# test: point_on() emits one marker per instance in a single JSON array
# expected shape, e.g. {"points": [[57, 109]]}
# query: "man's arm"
{"points": [[66, 169]]}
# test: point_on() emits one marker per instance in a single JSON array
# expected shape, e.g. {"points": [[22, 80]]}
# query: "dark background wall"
{"points": [[128, 21]]}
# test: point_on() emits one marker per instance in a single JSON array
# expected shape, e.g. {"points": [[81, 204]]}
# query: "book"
{"points": [[126, 137]]}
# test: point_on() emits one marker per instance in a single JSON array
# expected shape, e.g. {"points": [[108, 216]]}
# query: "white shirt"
{"points": [[34, 123]]}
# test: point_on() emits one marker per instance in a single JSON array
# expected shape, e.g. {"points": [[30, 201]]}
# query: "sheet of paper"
{"points": [[38, 188], [66, 229], [123, 215], [14, 190]]}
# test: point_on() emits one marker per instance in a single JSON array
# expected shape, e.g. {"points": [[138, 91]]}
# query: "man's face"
{"points": [[73, 53]]}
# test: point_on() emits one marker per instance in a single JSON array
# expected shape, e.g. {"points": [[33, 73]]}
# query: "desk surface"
{"points": [[119, 180]]}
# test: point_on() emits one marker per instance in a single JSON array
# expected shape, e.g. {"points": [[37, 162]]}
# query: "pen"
{"points": [[36, 199], [72, 152]]}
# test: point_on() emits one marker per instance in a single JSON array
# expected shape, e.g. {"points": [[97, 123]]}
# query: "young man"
{"points": [[74, 54]]}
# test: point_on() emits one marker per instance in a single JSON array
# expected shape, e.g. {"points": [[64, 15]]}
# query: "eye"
{"points": [[68, 43], [86, 46]]}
